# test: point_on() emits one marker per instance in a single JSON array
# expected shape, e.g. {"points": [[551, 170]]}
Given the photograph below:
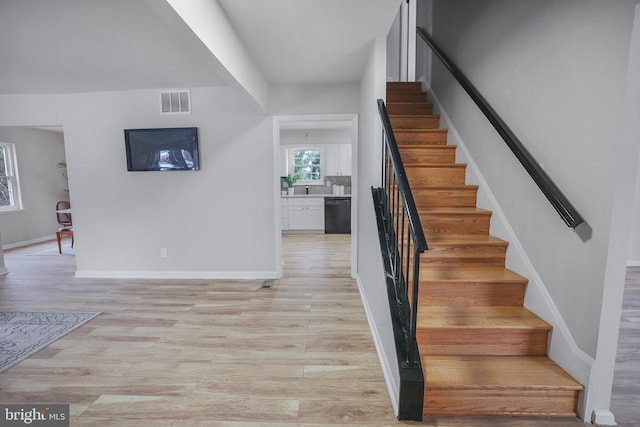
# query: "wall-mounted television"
{"points": [[162, 149]]}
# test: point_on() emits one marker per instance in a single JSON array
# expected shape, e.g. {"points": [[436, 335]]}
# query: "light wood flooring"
{"points": [[210, 353], [626, 382]]}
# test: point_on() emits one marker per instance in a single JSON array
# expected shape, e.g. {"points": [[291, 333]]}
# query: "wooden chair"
{"points": [[64, 219]]}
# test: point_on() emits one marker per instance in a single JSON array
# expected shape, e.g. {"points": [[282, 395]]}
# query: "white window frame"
{"points": [[13, 181], [323, 163]]}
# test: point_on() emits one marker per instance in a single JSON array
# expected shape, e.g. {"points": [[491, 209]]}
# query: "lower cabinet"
{"points": [[305, 214], [284, 214]]}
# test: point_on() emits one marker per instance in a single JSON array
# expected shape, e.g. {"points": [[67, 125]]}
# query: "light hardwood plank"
{"points": [[188, 353], [626, 381]]}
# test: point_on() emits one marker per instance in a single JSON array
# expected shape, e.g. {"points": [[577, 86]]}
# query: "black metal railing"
{"points": [[557, 199], [404, 239]]}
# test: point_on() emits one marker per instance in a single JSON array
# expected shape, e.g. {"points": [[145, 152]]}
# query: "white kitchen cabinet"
{"points": [[306, 213], [315, 215], [338, 159]]}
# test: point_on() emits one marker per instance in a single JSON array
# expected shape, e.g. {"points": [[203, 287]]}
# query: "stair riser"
{"points": [[454, 174], [470, 295], [431, 136], [444, 154], [418, 122], [410, 108], [462, 260], [433, 198], [483, 341], [461, 255], [463, 224], [500, 402], [408, 96], [404, 87]]}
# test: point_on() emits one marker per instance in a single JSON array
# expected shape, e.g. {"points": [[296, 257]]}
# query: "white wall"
{"points": [[634, 243], [557, 73], [315, 136], [393, 49], [216, 222], [628, 155], [314, 99], [370, 273], [42, 185], [423, 54], [560, 88]]}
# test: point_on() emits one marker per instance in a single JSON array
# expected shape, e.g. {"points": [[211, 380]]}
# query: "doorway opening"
{"points": [[293, 136], [40, 178]]}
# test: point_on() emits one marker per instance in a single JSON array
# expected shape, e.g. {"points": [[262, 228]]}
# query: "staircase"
{"points": [[482, 352]]}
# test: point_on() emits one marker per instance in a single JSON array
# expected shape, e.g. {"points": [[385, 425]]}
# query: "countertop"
{"points": [[302, 196]]}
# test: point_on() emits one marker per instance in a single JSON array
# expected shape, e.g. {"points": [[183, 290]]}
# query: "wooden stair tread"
{"points": [[407, 103], [495, 372], [411, 108], [465, 239], [417, 147], [507, 317], [453, 210], [406, 96], [413, 116], [420, 137], [415, 121], [436, 187], [444, 186], [414, 154], [420, 130], [404, 86], [470, 275], [462, 251], [443, 194], [438, 165]]}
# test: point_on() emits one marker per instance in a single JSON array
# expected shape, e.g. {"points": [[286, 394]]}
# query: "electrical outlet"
{"points": [[163, 252]]}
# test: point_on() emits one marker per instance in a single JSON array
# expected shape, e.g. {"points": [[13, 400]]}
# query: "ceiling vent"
{"points": [[175, 102]]}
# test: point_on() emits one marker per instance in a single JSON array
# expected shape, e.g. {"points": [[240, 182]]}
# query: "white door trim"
{"points": [[314, 121]]}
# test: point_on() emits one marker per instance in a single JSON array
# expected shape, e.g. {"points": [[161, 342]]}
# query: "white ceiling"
{"points": [[310, 41], [67, 46], [61, 46]]}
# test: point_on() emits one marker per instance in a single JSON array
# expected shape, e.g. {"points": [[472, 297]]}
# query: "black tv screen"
{"points": [[164, 149]]}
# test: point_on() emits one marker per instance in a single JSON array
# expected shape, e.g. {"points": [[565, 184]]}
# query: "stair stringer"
{"points": [[562, 348]]}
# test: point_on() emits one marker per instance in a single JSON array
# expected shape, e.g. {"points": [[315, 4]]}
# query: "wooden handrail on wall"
{"points": [[557, 199]]}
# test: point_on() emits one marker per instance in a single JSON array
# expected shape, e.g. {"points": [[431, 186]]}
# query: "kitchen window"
{"points": [[308, 162], [9, 188]]}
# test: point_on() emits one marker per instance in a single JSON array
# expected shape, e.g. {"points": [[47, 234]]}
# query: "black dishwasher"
{"points": [[337, 215]]}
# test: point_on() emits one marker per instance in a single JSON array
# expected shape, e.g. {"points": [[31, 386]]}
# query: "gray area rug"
{"points": [[23, 333]]}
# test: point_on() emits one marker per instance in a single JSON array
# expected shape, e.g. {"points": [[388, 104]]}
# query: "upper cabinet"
{"points": [[335, 160], [333, 145], [338, 159]]}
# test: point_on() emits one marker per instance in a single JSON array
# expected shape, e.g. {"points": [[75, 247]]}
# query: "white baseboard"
{"points": [[209, 275], [633, 263], [3, 271], [603, 417], [28, 242]]}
